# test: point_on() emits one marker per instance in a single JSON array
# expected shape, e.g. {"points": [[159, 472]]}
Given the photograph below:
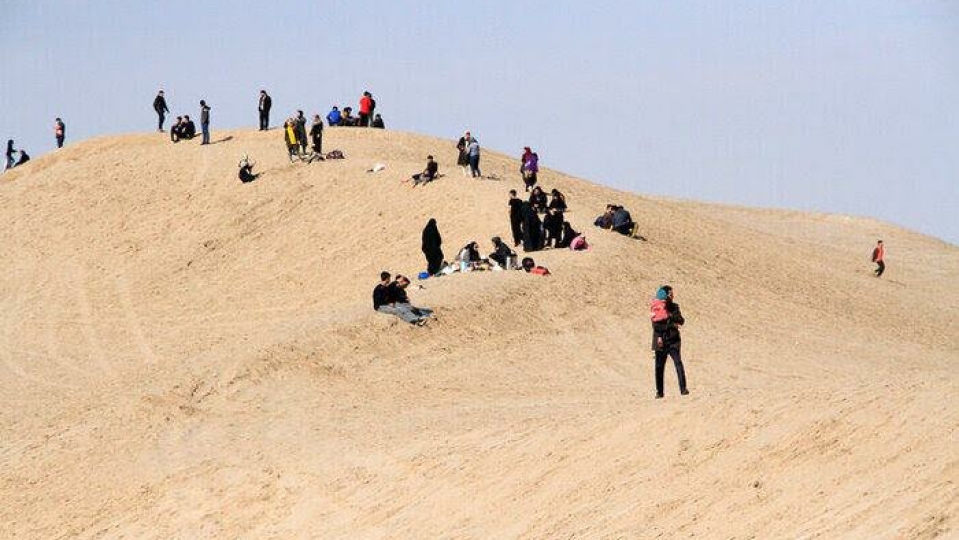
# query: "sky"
{"points": [[844, 106]]}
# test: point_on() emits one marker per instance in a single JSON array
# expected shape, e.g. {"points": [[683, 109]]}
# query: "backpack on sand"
{"points": [[335, 154]]}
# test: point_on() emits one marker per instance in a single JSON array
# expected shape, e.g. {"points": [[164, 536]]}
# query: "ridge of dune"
{"points": [[186, 356]]}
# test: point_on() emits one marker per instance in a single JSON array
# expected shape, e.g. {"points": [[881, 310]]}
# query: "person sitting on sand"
{"points": [[429, 173], [333, 118], [24, 157], [622, 221], [531, 268], [188, 129], [469, 255], [176, 130], [378, 122], [395, 301], [568, 235], [502, 254], [605, 220], [347, 119], [246, 173]]}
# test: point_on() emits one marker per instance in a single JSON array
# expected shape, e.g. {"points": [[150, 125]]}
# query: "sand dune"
{"points": [[184, 356]]}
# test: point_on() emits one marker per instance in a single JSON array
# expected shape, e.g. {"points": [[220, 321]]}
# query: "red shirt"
{"points": [[365, 104]]}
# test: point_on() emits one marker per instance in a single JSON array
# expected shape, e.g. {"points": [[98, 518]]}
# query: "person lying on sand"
{"points": [[531, 268]]}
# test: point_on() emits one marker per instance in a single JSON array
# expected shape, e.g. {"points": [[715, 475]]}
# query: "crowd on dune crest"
{"points": [[536, 223]]}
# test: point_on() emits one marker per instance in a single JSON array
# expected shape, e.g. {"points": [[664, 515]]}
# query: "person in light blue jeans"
{"points": [[394, 301]]}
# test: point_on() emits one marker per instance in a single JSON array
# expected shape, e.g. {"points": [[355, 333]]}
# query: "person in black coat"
{"points": [[188, 128], [516, 217], [316, 133], [501, 252], [532, 229], [568, 234], [432, 248], [159, 105], [553, 226], [558, 200], [667, 341], [264, 106], [538, 199]]}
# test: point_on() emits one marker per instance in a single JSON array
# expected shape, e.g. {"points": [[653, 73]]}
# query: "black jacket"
{"points": [[396, 295], [266, 102], [381, 295], [159, 105], [668, 329]]}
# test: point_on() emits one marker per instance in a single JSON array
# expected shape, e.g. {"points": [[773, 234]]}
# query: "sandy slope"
{"points": [[184, 356]]}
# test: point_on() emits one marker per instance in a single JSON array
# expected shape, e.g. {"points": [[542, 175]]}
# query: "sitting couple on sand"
{"points": [[390, 297]]}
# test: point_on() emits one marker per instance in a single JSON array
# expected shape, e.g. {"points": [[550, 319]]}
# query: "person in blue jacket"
{"points": [[333, 118]]}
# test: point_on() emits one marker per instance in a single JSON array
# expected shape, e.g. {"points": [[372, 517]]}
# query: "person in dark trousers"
{"points": [[532, 229], [553, 227], [9, 155], [246, 173], [300, 121], [59, 131], [366, 105], [205, 121], [429, 173], [667, 341], [878, 255], [264, 106], [473, 149], [316, 134], [432, 248], [159, 105], [622, 221], [516, 217], [24, 157], [378, 122]]}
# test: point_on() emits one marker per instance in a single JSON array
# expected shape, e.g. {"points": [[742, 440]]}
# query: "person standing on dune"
{"points": [[667, 320], [432, 248], [205, 121], [159, 105], [264, 106], [366, 108], [59, 131], [878, 255]]}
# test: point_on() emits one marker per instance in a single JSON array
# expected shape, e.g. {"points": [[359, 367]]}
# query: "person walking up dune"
{"points": [[159, 105], [878, 255], [432, 247], [667, 320]]}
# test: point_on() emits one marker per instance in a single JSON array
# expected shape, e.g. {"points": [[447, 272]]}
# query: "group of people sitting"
{"points": [[182, 128], [367, 115], [618, 219], [552, 231], [390, 297], [467, 258]]}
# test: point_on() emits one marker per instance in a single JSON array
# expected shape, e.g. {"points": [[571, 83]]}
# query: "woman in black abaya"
{"points": [[432, 243]]}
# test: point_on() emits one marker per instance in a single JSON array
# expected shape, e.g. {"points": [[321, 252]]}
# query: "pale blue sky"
{"points": [[839, 106]]}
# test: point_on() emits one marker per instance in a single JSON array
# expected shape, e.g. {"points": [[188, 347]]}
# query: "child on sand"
{"points": [[667, 320]]}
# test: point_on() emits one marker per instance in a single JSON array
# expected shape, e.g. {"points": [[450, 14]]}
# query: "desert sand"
{"points": [[185, 356]]}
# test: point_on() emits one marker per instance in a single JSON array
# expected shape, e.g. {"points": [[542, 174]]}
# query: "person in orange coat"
{"points": [[878, 255]]}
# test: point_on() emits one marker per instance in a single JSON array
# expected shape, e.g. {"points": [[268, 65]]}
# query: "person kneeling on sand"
{"points": [[391, 298], [428, 174], [531, 268], [502, 254]]}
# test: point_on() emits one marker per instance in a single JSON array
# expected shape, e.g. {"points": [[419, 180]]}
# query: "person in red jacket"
{"points": [[878, 255], [366, 107]]}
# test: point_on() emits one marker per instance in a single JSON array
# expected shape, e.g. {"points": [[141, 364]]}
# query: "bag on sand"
{"points": [[657, 310], [335, 154]]}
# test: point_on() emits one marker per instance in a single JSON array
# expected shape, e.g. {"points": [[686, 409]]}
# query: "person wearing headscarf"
{"points": [[538, 200], [432, 248], [501, 253], [532, 229], [529, 167], [568, 234]]}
